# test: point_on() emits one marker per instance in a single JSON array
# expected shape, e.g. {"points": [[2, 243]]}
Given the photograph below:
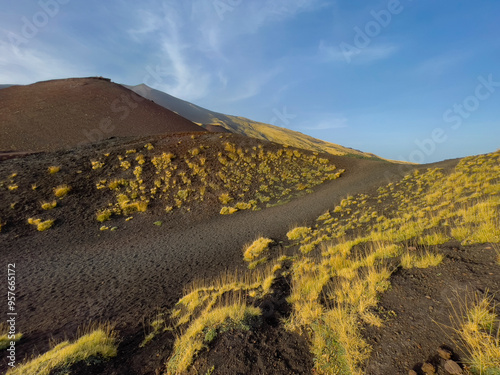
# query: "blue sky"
{"points": [[417, 80]]}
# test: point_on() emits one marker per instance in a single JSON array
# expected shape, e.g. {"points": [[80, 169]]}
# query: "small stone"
{"points": [[429, 369], [412, 372], [444, 353], [452, 367]]}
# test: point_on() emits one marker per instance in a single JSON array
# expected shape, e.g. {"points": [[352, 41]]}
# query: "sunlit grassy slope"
{"points": [[240, 179], [244, 126], [345, 261]]}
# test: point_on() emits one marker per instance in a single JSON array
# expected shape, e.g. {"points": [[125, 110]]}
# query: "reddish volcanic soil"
{"points": [[52, 115]]}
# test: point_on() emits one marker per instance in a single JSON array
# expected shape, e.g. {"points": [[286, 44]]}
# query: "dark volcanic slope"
{"points": [[58, 114], [73, 273]]}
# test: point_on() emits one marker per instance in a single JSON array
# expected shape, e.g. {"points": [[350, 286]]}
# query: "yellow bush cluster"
{"points": [[256, 248], [54, 169], [61, 190], [247, 177], [41, 225], [427, 207], [49, 205]]}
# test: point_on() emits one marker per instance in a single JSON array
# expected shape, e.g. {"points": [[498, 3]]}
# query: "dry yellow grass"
{"points": [[5, 340], [4, 336], [325, 216], [61, 190], [40, 224], [478, 326], [225, 198], [202, 296], [256, 248], [298, 232], [99, 342], [205, 328], [96, 164], [254, 264], [128, 205], [427, 208], [103, 215], [434, 239], [337, 344], [54, 169], [158, 325], [209, 307], [228, 210], [284, 136], [48, 205], [424, 261], [243, 206], [336, 341]]}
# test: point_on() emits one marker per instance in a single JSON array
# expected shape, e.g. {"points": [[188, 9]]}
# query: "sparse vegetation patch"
{"points": [[101, 342], [61, 191], [260, 176]]}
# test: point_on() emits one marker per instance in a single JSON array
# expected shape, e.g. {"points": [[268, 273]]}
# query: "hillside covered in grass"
{"points": [[339, 268]]}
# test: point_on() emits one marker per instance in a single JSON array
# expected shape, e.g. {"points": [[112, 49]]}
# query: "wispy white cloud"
{"points": [[183, 79], [253, 85], [196, 59], [328, 53], [322, 121], [258, 14], [149, 23], [174, 67], [438, 65], [183, 48], [327, 123], [22, 65], [333, 123]]}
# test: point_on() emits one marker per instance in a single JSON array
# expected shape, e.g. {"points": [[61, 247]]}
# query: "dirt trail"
{"points": [[66, 279]]}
